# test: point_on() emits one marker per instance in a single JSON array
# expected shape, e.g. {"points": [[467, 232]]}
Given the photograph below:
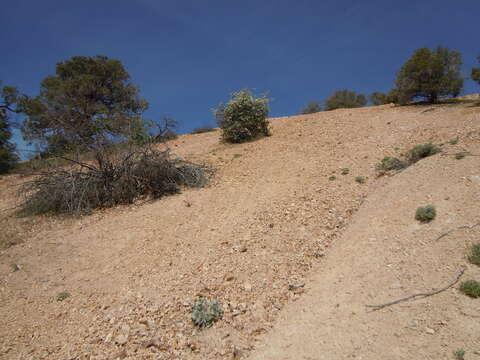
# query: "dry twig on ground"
{"points": [[458, 228], [419, 295]]}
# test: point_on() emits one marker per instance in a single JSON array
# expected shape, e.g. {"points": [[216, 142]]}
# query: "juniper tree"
{"points": [[8, 99], [476, 73], [88, 104], [345, 99], [312, 107], [379, 98], [430, 75]]}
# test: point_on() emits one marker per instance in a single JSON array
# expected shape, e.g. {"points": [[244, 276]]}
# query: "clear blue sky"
{"points": [[188, 55]]}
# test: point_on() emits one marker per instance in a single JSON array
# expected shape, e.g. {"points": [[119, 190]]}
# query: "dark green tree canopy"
{"points": [[430, 75], [312, 107], [8, 99], [89, 101], [476, 73], [379, 98], [345, 99]]}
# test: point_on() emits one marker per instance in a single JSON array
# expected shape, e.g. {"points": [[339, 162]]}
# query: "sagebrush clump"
{"points": [[425, 213], [474, 256], [244, 117], [420, 152], [391, 163], [360, 179], [205, 312], [459, 354], [471, 288], [63, 296]]}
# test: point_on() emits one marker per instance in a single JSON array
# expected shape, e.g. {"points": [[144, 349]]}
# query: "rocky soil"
{"points": [[268, 228]]}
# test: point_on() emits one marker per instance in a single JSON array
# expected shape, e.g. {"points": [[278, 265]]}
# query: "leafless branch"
{"points": [[419, 295], [458, 228]]}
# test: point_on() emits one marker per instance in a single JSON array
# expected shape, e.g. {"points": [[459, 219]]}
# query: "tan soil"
{"points": [[269, 222]]}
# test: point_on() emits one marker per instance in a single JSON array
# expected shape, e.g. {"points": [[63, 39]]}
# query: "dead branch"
{"points": [[458, 228], [465, 153], [419, 295], [82, 164]]}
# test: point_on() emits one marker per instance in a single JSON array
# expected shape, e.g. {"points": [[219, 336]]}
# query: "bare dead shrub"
{"points": [[141, 173]]}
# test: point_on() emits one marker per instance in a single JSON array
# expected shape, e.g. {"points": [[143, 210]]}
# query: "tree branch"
{"points": [[458, 228], [419, 295]]}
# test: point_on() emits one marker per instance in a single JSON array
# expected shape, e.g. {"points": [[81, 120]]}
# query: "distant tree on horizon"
{"points": [[430, 75], [379, 98], [345, 99], [476, 73], [312, 107], [8, 98]]}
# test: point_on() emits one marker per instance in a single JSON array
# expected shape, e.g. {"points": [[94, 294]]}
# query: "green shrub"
{"points": [[476, 72], [206, 312], [390, 163], [420, 152], [63, 295], [345, 99], [244, 117], [333, 177], [345, 171], [454, 141], [202, 129], [474, 256], [471, 288], [459, 354], [378, 98], [311, 108], [425, 213], [360, 179], [459, 156]]}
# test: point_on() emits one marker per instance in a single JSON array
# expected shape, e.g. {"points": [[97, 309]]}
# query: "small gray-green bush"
{"points": [[205, 312], [474, 256], [244, 117], [425, 213], [345, 171], [471, 288], [333, 177], [459, 354], [420, 152], [360, 179], [390, 163], [63, 296]]}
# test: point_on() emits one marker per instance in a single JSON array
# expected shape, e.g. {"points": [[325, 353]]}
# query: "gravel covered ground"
{"points": [[250, 239]]}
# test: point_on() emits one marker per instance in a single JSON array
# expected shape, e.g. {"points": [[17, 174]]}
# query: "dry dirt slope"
{"points": [[385, 255], [269, 216]]}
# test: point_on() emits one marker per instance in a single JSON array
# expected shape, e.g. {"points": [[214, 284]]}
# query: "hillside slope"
{"points": [[249, 240], [386, 255]]}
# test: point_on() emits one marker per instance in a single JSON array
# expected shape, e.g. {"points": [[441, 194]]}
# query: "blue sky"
{"points": [[187, 56]]}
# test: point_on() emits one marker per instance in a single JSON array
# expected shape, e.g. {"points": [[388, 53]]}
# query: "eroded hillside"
{"points": [[250, 239]]}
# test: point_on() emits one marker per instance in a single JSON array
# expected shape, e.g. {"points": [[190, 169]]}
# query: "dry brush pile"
{"points": [[139, 173]]}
